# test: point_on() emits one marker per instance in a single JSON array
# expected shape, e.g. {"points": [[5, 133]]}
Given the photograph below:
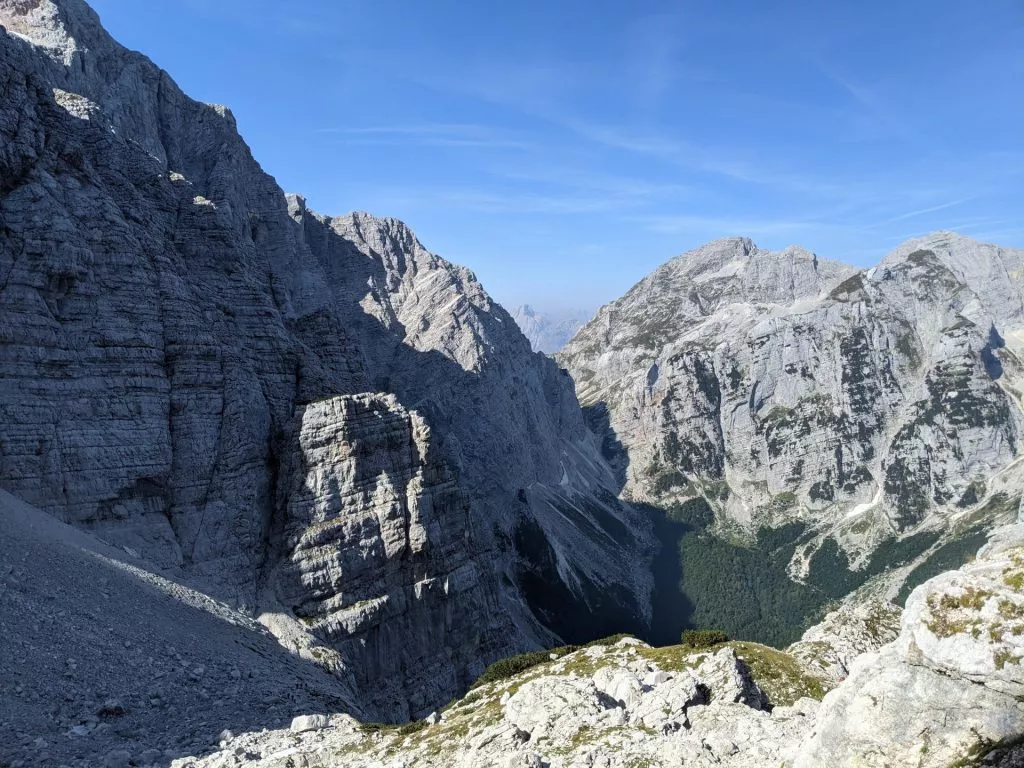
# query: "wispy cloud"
{"points": [[429, 134], [560, 177], [722, 226], [923, 211], [873, 117], [494, 201]]}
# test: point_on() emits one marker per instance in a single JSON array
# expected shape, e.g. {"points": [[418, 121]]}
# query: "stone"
{"points": [[309, 723], [112, 708]]}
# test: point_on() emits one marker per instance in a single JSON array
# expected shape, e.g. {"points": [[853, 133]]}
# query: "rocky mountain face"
{"points": [[548, 332], [865, 418], [937, 687], [314, 419]]}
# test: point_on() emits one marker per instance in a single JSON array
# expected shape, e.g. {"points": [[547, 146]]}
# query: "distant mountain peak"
{"points": [[549, 331]]}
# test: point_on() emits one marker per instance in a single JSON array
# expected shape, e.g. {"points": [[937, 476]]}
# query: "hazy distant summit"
{"points": [[549, 331]]}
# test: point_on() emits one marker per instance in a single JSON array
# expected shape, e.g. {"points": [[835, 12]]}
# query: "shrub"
{"points": [[704, 638], [413, 727], [513, 665], [610, 640]]}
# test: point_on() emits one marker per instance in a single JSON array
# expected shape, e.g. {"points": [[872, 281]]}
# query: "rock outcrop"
{"points": [[607, 705], [845, 634], [313, 418], [950, 687]]}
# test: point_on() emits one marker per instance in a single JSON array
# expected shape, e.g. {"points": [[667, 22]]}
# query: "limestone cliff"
{"points": [[188, 359], [869, 412]]}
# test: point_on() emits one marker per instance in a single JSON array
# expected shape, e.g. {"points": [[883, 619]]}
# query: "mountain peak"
{"points": [[61, 30]]}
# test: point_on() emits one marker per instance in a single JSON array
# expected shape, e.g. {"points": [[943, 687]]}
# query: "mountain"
{"points": [[936, 687], [259, 463], [548, 332], [810, 422], [313, 419]]}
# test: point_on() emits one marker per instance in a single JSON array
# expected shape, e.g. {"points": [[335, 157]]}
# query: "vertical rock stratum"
{"points": [[313, 418]]}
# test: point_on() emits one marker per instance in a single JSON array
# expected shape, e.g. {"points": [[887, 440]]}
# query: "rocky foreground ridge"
{"points": [[313, 419], [942, 686]]}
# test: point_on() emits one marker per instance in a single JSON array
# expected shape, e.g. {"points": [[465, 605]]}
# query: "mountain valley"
{"points": [[284, 489]]}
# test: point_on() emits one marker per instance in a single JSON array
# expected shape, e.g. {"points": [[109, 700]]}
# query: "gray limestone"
{"points": [[315, 419], [782, 387]]}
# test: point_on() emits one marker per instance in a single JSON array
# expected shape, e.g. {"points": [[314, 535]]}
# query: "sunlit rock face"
{"points": [[313, 417], [948, 690], [785, 388]]}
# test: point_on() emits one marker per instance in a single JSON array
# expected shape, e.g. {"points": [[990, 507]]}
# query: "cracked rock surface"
{"points": [[783, 387], [312, 418]]}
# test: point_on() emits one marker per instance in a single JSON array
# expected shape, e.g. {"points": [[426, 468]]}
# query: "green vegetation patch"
{"points": [[744, 589], [948, 557], [704, 638], [779, 675], [503, 669], [955, 614]]}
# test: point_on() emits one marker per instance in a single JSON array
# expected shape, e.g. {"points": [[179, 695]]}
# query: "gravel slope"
{"points": [[105, 663]]}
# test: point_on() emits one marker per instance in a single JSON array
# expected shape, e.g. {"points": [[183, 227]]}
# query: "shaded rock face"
{"points": [[781, 386], [182, 352], [99, 654]]}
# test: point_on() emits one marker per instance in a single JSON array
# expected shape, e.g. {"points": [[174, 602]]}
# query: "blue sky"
{"points": [[564, 149]]}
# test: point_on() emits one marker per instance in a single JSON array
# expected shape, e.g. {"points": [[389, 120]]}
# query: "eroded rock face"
{"points": [[781, 387], [377, 551], [181, 350], [782, 373]]}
